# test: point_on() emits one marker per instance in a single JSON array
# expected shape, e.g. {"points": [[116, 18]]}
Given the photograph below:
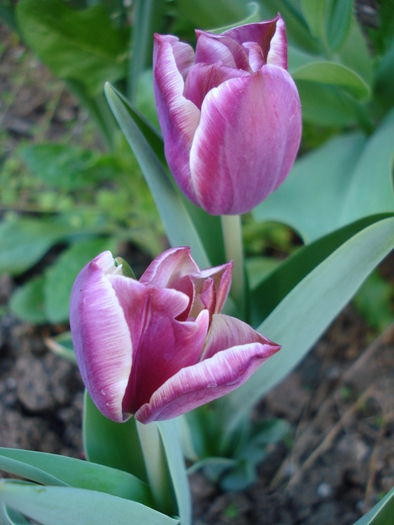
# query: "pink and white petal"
{"points": [[221, 50], [255, 55], [169, 266], [226, 332], [246, 142], [277, 55], [203, 77], [178, 117], [260, 33], [161, 344], [221, 276], [196, 385], [101, 338]]}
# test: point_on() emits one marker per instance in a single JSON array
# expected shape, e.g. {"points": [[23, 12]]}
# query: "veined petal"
{"points": [[226, 332], [261, 33], [161, 344], [219, 49], [255, 55], [178, 116], [172, 265], [246, 142], [203, 77], [101, 337], [195, 385], [277, 55], [221, 276]]}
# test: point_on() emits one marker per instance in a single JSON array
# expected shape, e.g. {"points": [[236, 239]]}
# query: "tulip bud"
{"points": [[159, 347], [230, 114]]}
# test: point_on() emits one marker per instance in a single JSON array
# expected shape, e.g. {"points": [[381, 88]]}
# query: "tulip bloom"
{"points": [[159, 347], [230, 114]]}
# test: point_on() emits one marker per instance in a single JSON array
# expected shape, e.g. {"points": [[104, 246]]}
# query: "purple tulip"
{"points": [[230, 114], [159, 347]]}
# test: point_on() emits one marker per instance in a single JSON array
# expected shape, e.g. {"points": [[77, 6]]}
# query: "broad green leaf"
{"points": [[337, 21], [344, 180], [304, 314], [331, 73], [272, 290], [382, 513], [51, 469], [374, 302], [10, 516], [27, 302], [313, 11], [384, 79], [258, 268], [326, 105], [111, 444], [23, 241], [59, 278], [80, 45], [201, 15], [176, 464], [68, 506], [178, 224], [253, 15]]}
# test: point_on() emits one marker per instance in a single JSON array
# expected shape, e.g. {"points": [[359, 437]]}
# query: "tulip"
{"points": [[159, 347], [230, 114]]}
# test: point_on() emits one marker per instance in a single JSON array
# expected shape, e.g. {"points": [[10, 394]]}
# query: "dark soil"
{"points": [[339, 401]]}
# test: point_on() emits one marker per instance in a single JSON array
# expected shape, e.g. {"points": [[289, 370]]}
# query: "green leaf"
{"points": [[313, 11], [253, 16], [267, 295], [374, 302], [23, 241], [51, 469], [176, 464], [112, 444], [27, 302], [59, 278], [80, 45], [178, 224], [68, 506], [381, 514], [384, 79], [337, 21], [10, 516], [201, 15], [304, 314], [331, 73], [344, 180]]}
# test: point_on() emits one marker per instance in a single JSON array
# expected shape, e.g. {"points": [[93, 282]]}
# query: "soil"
{"points": [[339, 401]]}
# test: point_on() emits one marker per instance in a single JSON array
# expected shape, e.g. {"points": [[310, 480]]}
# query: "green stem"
{"points": [[232, 236]]}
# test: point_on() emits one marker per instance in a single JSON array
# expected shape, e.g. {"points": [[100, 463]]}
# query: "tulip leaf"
{"points": [[67, 506], [253, 16], [313, 11], [332, 73], [338, 20], [81, 45], [178, 223], [170, 437], [200, 14], [111, 444], [344, 180], [303, 315], [382, 512], [27, 302], [10, 516], [51, 469]]}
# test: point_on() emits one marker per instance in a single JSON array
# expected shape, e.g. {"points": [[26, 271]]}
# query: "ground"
{"points": [[338, 460]]}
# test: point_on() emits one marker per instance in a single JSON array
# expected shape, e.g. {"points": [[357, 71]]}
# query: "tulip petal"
{"points": [[178, 116], [219, 49], [246, 142], [103, 350], [161, 344], [221, 276], [261, 33], [195, 385], [170, 266], [277, 55], [255, 55], [203, 77], [227, 331]]}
